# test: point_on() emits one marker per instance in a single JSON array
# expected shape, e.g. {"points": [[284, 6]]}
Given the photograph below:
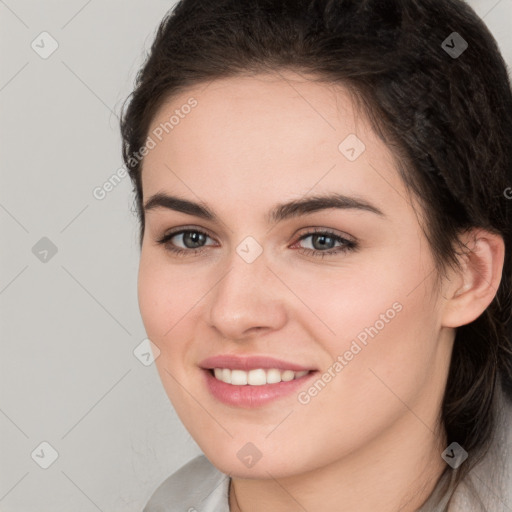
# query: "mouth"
{"points": [[253, 380], [255, 388]]}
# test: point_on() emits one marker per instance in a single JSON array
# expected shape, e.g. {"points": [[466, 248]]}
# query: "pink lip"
{"points": [[250, 397], [248, 363]]}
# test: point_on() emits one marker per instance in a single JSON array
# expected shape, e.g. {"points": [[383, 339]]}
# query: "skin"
{"points": [[370, 440]]}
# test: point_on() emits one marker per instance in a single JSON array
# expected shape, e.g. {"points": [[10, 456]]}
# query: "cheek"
{"points": [[370, 384], [172, 300], [383, 327], [153, 299], [166, 296]]}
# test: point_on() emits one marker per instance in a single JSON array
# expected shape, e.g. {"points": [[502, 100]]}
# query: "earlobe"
{"points": [[477, 280]]}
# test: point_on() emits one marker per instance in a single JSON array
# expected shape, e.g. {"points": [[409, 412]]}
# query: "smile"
{"points": [[256, 377], [255, 388]]}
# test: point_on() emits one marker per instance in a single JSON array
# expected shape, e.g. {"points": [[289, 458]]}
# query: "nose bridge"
{"points": [[246, 297]]}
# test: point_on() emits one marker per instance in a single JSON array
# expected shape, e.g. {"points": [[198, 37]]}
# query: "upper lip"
{"points": [[247, 363]]}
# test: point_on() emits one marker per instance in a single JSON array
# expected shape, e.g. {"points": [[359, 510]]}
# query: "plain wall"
{"points": [[69, 320]]}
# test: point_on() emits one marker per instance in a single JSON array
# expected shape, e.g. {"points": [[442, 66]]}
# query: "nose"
{"points": [[249, 299]]}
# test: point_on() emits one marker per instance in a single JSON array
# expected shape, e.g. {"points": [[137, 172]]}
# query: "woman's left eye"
{"points": [[322, 239], [322, 242]]}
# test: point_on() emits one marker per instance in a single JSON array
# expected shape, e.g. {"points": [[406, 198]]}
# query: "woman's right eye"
{"points": [[192, 240]]}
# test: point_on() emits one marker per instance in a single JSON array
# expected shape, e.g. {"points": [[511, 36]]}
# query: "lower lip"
{"points": [[250, 397]]}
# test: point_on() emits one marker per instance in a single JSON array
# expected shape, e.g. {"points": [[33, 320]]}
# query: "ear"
{"points": [[472, 288]]}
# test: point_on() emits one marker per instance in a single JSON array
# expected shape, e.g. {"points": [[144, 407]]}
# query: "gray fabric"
{"points": [[196, 487], [200, 487]]}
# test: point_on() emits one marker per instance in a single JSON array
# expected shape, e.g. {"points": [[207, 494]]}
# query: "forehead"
{"points": [[262, 135], [234, 115]]}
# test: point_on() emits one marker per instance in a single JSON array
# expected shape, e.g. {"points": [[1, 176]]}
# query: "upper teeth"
{"points": [[257, 377]]}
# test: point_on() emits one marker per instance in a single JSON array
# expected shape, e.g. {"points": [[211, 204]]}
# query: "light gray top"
{"points": [[198, 486]]}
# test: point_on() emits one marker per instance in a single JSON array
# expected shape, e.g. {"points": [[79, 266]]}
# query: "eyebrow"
{"points": [[294, 208]]}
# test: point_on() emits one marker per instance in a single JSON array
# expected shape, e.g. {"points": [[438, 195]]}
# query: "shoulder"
{"points": [[196, 486], [488, 486]]}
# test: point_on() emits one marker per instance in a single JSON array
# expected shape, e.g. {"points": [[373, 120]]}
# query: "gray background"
{"points": [[69, 321]]}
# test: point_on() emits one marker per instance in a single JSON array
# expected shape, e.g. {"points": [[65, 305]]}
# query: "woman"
{"points": [[326, 265]]}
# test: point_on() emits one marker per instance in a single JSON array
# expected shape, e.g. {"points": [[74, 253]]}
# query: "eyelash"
{"points": [[348, 246]]}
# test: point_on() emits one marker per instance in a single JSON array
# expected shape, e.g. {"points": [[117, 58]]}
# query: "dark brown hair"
{"points": [[446, 118]]}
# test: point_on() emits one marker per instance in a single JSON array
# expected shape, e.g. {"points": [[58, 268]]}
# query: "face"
{"points": [[344, 289]]}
